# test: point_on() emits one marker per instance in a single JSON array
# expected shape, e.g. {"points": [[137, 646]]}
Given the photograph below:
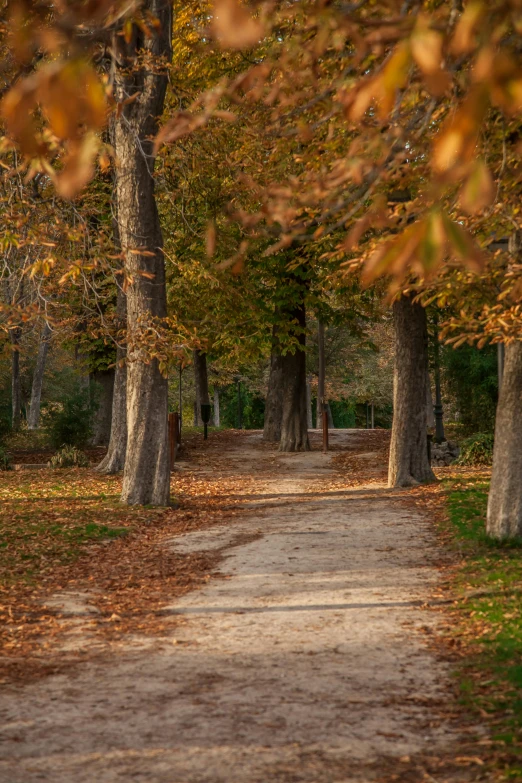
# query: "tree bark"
{"points": [[146, 478], [430, 413], [274, 405], [294, 420], [321, 376], [16, 391], [409, 464], [217, 418], [103, 416], [331, 424], [33, 420], [201, 383], [114, 460], [504, 519], [309, 403]]}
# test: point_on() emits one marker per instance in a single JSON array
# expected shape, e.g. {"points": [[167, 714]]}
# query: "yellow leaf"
{"points": [[463, 38], [479, 190], [426, 47]]}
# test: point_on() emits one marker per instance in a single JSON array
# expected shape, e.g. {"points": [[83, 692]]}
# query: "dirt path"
{"points": [[304, 662]]}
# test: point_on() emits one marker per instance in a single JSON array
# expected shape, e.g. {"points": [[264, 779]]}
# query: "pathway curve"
{"points": [[304, 662]]}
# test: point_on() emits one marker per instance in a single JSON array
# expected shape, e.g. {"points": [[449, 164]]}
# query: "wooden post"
{"points": [[172, 439]]}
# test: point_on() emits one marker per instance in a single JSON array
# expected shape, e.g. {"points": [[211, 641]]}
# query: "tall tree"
{"points": [[141, 78], [16, 390], [294, 415], [504, 518], [104, 395], [409, 463], [201, 379], [273, 405], [33, 418]]}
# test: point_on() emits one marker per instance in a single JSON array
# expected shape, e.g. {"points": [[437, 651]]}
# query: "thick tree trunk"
{"points": [[16, 390], [274, 399], [201, 383], [33, 420], [294, 420], [409, 464], [505, 495], [146, 478], [103, 416]]}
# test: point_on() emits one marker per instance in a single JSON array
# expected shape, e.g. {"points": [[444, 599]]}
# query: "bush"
{"points": [[5, 460], [252, 408], [69, 457], [5, 426], [70, 423], [477, 450], [471, 381]]}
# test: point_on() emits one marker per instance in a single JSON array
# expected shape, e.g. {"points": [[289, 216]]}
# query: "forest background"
{"points": [[218, 185]]}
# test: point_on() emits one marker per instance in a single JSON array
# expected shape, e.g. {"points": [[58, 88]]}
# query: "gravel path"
{"points": [[303, 663]]}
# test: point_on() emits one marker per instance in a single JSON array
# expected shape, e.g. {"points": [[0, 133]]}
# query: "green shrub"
{"points": [[69, 423], [5, 426], [477, 450], [471, 381], [252, 408], [69, 457], [5, 460]]}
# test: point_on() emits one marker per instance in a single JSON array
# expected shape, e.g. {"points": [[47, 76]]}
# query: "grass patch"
{"points": [[490, 621], [47, 520]]}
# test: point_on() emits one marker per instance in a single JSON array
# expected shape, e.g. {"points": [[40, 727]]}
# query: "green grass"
{"points": [[48, 520], [491, 621]]}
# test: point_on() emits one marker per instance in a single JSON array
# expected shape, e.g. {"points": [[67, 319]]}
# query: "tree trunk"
{"points": [[409, 464], [217, 418], [103, 416], [16, 391], [309, 403], [33, 419], [505, 495], [273, 406], [294, 420], [146, 478], [321, 375], [201, 383], [114, 460], [430, 413], [331, 424]]}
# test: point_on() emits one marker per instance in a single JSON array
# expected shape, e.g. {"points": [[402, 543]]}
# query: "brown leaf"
{"points": [[233, 25], [464, 36], [455, 144], [182, 123], [426, 47], [79, 166]]}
